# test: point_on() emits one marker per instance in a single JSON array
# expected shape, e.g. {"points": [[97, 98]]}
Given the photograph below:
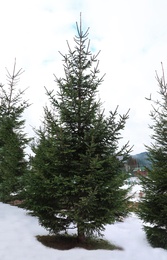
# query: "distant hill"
{"points": [[142, 159]]}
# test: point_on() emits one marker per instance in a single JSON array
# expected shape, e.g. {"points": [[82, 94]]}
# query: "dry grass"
{"points": [[66, 242]]}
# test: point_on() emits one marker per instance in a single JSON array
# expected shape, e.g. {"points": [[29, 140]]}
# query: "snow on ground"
{"points": [[18, 231], [135, 189]]}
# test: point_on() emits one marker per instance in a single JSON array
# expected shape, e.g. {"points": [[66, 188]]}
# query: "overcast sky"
{"points": [[132, 37]]}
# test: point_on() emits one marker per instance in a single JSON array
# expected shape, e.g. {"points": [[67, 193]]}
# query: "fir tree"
{"points": [[153, 207], [13, 140], [76, 172]]}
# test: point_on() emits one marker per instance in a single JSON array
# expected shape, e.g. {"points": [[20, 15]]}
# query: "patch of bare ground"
{"points": [[66, 242]]}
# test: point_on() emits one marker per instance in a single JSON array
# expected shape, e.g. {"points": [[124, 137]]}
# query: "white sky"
{"points": [[132, 38]]}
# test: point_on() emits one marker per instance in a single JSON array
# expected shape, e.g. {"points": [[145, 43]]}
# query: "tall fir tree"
{"points": [[13, 140], [76, 173], [153, 207]]}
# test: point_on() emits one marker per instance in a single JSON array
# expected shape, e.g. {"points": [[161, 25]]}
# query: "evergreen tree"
{"points": [[153, 207], [76, 173], [12, 139]]}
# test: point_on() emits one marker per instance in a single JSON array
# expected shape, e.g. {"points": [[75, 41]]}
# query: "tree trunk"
{"points": [[81, 235]]}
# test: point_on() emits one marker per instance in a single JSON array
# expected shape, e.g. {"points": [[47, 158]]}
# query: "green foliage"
{"points": [[153, 207], [156, 236], [12, 139], [76, 172]]}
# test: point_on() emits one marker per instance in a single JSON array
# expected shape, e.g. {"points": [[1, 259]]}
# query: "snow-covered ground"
{"points": [[18, 242], [136, 191]]}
